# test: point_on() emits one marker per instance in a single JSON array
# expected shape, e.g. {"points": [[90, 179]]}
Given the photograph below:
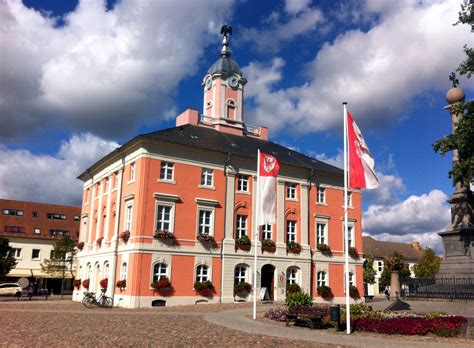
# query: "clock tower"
{"points": [[224, 91]]}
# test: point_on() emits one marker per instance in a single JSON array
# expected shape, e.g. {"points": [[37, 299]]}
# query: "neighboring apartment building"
{"points": [[379, 250], [199, 178], [32, 229]]}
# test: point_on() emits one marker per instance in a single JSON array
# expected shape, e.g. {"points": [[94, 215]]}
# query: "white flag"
{"points": [[266, 186]]}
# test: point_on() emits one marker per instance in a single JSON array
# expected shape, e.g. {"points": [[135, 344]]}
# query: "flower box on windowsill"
{"points": [[103, 283], [293, 247], [85, 283], [353, 253], [325, 291], [243, 243], [99, 241], [125, 235], [163, 235], [354, 292], [80, 246], [163, 286], [268, 245], [77, 283], [242, 289], [205, 238], [323, 247], [205, 288], [121, 284]]}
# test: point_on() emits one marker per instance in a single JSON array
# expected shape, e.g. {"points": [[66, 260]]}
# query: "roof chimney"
{"points": [[416, 246]]}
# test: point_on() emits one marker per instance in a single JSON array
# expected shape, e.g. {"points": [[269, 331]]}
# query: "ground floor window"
{"points": [[159, 271], [202, 273]]}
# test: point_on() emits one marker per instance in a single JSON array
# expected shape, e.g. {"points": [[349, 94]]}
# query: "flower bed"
{"points": [[447, 326]]}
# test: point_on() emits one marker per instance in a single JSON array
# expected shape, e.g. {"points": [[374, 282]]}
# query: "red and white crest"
{"points": [[268, 163]]}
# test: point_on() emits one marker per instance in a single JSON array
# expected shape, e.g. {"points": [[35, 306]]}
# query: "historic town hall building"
{"points": [[170, 205]]}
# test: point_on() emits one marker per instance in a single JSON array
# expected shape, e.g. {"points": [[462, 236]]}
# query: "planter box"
{"points": [[243, 247], [269, 249]]}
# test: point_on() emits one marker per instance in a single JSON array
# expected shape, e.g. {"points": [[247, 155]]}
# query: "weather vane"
{"points": [[226, 29], [453, 78]]}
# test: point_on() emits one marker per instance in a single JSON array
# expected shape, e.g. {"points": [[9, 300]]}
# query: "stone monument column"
{"points": [[458, 241]]}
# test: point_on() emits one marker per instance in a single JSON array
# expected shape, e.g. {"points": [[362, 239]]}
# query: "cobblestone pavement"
{"points": [[69, 324]]}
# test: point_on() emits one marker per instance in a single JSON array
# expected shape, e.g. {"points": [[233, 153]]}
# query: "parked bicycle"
{"points": [[103, 301]]}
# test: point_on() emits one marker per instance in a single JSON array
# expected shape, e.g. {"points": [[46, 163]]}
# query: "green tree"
{"points": [[7, 261], [369, 271], [61, 260], [463, 141], [428, 265]]}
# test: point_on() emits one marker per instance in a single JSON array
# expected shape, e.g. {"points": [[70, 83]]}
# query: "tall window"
{"points": [[321, 231], [292, 276], [123, 273], [321, 195], [128, 217], [207, 177], [267, 231], [240, 274], [159, 271], [291, 231], [132, 171], [351, 279], [106, 270], [202, 273], [322, 279], [350, 233], [35, 254], [163, 219], [106, 185], [205, 222], [243, 183], [349, 199], [291, 191], [241, 226], [16, 253], [166, 172], [380, 266]]}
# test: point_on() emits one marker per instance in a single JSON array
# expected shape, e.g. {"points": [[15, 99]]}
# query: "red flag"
{"points": [[269, 167], [361, 161]]}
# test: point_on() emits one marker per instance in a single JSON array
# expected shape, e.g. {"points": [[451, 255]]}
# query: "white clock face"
{"points": [[233, 81], [208, 83]]}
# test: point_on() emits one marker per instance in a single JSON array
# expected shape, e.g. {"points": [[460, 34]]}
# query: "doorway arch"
{"points": [[268, 279]]}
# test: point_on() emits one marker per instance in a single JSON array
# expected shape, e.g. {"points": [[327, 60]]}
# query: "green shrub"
{"points": [[298, 299], [292, 288]]}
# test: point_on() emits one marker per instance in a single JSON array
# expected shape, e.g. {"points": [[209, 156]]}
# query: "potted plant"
{"points": [[293, 247], [77, 283], [354, 292], [324, 291], [292, 288], [204, 288], [324, 248], [121, 284], [205, 238], [243, 243], [125, 236], [164, 235], [85, 283], [353, 252], [268, 245], [103, 283], [242, 287], [162, 284], [80, 246], [99, 241]]}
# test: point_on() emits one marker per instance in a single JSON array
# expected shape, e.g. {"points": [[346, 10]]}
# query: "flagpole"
{"points": [[257, 205], [346, 234]]}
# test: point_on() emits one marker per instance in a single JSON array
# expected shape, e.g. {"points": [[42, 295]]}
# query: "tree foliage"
{"points": [[7, 261], [463, 139], [369, 271], [428, 265], [62, 255], [394, 262]]}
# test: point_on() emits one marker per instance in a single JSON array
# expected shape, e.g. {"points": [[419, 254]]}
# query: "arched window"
{"points": [[240, 274], [292, 275], [80, 273], [202, 273], [88, 271], [123, 272], [106, 270], [160, 270], [322, 279], [230, 104]]}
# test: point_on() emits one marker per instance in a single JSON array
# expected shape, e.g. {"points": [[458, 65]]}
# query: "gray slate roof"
{"points": [[381, 249], [226, 66]]}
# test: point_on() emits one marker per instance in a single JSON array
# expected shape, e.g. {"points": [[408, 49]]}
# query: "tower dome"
{"points": [[225, 65]]}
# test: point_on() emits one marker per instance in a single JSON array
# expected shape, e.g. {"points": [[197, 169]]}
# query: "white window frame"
{"points": [[291, 191], [321, 195], [132, 172], [243, 183], [39, 254], [380, 266], [123, 271], [202, 273], [321, 232], [16, 253], [267, 232], [349, 200], [37, 230], [321, 278], [207, 177], [205, 210], [170, 222], [292, 275], [106, 272], [128, 217], [352, 279], [351, 233], [241, 226], [240, 274], [167, 171], [163, 271], [290, 232]]}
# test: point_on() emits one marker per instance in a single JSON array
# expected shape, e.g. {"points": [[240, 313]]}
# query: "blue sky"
{"points": [[79, 78]]}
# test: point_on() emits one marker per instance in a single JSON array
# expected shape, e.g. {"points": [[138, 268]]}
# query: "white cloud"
{"points": [[299, 19], [390, 188], [410, 49], [50, 179], [337, 160], [105, 71], [416, 218]]}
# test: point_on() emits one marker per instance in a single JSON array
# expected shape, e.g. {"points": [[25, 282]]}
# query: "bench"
{"points": [[369, 298], [305, 320], [39, 292]]}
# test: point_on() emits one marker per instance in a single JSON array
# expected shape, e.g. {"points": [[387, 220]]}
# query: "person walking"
{"points": [[387, 293]]}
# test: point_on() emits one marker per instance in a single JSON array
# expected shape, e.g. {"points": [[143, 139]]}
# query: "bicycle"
{"points": [[103, 301]]}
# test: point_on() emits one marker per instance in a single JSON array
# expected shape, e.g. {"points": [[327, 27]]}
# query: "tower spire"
{"points": [[226, 30]]}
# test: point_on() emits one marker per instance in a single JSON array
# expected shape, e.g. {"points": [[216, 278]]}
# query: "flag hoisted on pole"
{"points": [[267, 172], [358, 173]]}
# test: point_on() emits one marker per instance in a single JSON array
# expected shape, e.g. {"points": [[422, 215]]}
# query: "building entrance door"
{"points": [[267, 281]]}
